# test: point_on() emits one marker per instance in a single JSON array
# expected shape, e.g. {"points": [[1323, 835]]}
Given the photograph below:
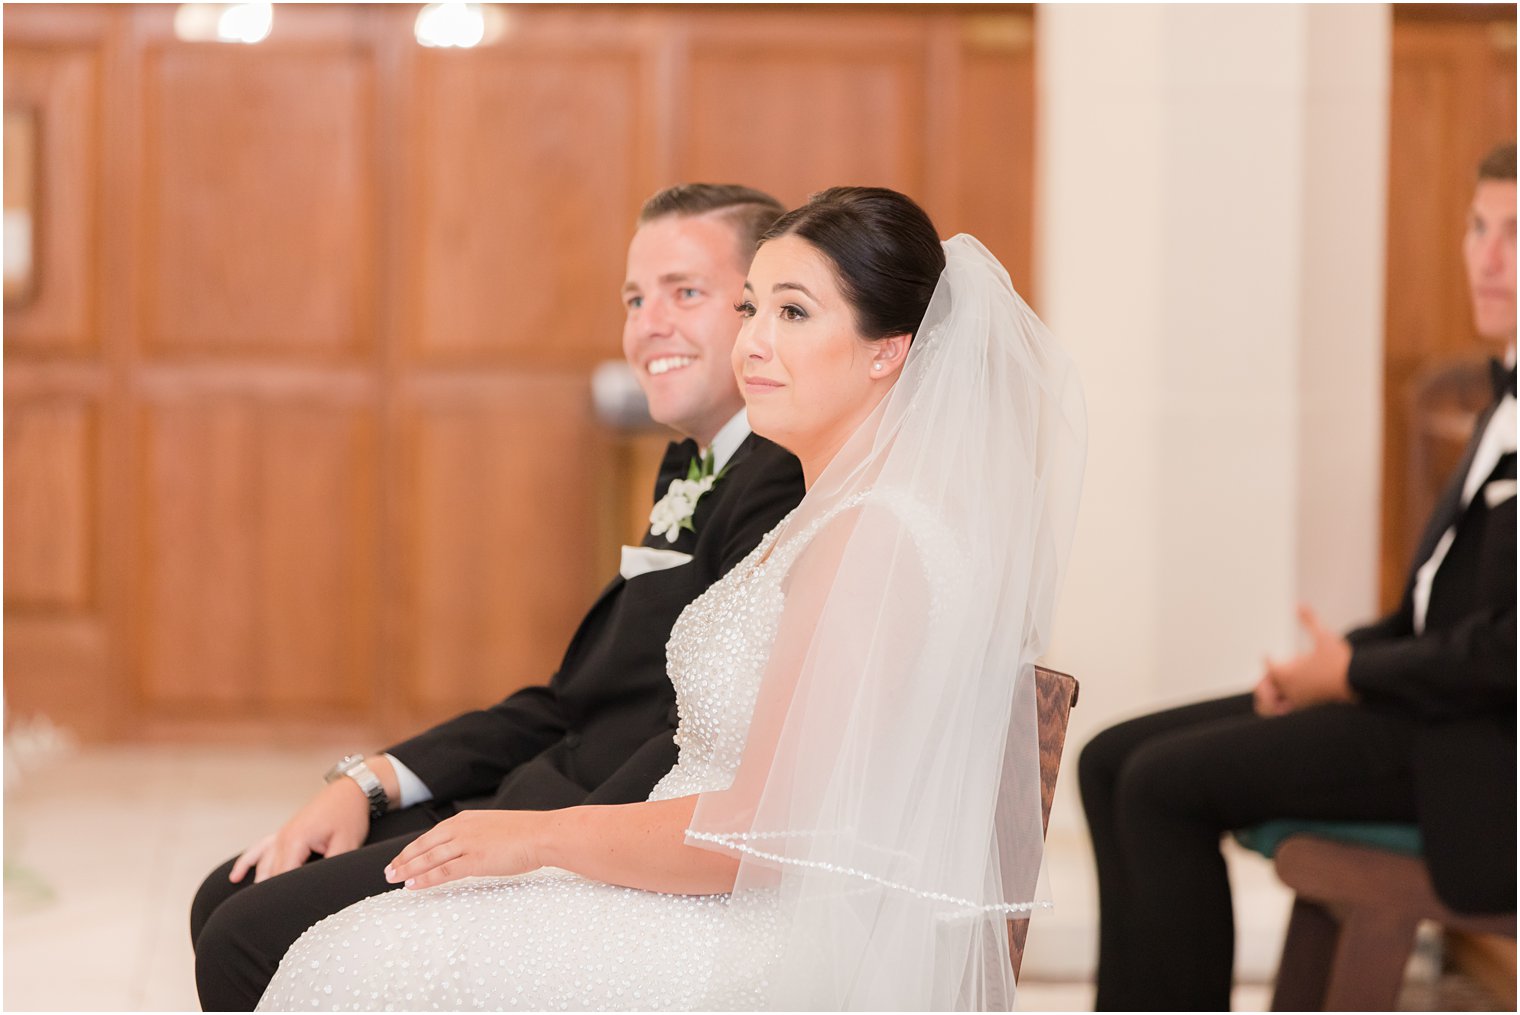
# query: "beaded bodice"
{"points": [[719, 645], [715, 656]]}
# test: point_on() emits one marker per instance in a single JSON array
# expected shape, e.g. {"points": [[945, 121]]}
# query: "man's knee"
{"points": [[1165, 775], [214, 891], [1102, 759], [232, 963]]}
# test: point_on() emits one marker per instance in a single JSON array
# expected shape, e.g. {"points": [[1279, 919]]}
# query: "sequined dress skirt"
{"points": [[555, 941], [546, 941]]}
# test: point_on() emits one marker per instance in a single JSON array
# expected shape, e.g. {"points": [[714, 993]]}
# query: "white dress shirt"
{"points": [[1498, 440], [637, 560]]}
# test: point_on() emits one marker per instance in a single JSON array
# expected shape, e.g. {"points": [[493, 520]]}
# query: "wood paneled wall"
{"points": [[297, 422], [1453, 99]]}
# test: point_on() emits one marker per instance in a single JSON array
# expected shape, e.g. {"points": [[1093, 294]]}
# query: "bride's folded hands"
{"points": [[638, 845]]}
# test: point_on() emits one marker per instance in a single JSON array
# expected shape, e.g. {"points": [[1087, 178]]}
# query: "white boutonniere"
{"points": [[674, 511]]}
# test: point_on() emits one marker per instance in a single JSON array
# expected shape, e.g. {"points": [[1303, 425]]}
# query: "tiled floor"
{"points": [[104, 848]]}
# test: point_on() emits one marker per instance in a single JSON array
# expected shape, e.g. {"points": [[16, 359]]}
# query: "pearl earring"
{"points": [[876, 366]]}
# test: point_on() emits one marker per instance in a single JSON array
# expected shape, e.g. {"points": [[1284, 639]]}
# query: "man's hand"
{"points": [[334, 821], [1269, 701], [470, 844], [1314, 677]]}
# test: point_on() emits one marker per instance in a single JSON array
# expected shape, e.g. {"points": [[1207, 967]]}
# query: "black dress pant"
{"points": [[1160, 791], [241, 931]]}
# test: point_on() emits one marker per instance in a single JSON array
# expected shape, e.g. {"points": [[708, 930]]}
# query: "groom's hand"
{"points": [[334, 821]]}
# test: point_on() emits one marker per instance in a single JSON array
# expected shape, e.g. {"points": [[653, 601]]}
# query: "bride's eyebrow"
{"points": [[798, 286]]}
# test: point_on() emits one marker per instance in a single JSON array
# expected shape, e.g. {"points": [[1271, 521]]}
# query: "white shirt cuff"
{"points": [[413, 789]]}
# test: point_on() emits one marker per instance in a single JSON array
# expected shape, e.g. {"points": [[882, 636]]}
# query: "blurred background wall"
{"points": [[298, 426]]}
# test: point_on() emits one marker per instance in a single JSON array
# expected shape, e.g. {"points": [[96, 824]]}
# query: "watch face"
{"points": [[345, 763]]}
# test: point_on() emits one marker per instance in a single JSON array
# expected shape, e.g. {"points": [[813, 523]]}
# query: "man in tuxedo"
{"points": [[600, 730], [1409, 719]]}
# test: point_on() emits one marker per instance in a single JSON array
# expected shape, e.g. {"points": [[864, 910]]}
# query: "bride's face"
{"points": [[807, 375]]}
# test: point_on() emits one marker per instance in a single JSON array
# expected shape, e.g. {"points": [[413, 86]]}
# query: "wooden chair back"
{"points": [[1057, 695]]}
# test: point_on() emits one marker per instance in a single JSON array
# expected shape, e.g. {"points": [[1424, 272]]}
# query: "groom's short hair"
{"points": [[1498, 164], [751, 212]]}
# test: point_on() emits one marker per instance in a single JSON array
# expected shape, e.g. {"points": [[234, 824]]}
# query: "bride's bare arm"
{"points": [[639, 845]]}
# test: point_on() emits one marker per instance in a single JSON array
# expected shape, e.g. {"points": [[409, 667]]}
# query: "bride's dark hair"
{"points": [[885, 251]]}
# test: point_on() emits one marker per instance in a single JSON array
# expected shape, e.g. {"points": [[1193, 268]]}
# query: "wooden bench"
{"points": [[1353, 923]]}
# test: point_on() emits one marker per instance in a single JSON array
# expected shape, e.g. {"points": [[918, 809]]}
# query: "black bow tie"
{"points": [[1502, 377], [678, 458]]}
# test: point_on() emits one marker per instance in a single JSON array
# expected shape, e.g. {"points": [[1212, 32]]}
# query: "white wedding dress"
{"points": [[552, 940]]}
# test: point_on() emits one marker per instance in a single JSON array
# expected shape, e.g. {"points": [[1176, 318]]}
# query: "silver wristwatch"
{"points": [[353, 766]]}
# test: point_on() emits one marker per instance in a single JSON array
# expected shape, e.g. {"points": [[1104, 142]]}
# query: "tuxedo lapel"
{"points": [[677, 459], [686, 540], [677, 456], [1448, 508]]}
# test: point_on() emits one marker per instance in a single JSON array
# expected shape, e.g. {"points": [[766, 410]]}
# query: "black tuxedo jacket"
{"points": [[1457, 679], [601, 730]]}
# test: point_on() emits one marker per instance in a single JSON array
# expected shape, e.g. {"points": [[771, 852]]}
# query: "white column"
{"points": [[1340, 444], [1212, 186]]}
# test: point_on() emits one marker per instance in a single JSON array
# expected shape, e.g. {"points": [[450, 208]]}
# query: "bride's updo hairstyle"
{"points": [[886, 254]]}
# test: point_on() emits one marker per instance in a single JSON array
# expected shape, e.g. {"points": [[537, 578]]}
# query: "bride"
{"points": [[855, 813]]}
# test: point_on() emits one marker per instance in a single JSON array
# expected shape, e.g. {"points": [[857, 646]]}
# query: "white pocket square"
{"points": [[1499, 491], [639, 560]]}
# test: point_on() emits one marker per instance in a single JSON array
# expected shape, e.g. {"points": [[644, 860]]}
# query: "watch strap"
{"points": [[354, 767]]}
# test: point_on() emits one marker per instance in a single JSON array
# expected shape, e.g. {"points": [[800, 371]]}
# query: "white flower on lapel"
{"points": [[674, 511]]}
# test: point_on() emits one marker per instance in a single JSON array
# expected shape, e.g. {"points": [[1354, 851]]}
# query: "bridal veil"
{"points": [[889, 795]]}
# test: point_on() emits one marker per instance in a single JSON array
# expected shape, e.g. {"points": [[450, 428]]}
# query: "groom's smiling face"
{"points": [[684, 277]]}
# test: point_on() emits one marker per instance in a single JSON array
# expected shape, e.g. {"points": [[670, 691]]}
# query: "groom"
{"points": [[600, 731]]}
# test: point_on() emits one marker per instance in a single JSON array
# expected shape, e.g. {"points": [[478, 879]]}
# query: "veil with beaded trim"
{"points": [[889, 795]]}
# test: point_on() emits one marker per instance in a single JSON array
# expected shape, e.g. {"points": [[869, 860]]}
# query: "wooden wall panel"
{"points": [[511, 271], [1452, 99], [65, 668], [992, 160], [199, 595], [318, 551], [260, 523], [61, 85], [299, 424], [259, 231], [50, 500], [786, 108], [501, 488]]}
